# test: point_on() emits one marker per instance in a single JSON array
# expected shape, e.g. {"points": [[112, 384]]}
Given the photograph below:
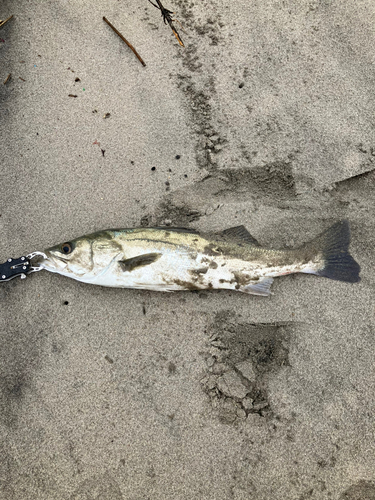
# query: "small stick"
{"points": [[6, 20], [167, 18], [125, 40], [7, 79]]}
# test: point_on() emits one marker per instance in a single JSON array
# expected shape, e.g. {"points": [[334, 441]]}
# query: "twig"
{"points": [[125, 40], [167, 18], [7, 79], [6, 20]]}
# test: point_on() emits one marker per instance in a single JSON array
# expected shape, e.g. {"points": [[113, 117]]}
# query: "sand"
{"points": [[265, 118]]}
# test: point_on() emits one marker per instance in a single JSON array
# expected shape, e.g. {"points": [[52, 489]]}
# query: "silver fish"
{"points": [[169, 259]]}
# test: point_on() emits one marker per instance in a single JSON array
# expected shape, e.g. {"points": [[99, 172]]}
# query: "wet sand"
{"points": [[265, 118]]}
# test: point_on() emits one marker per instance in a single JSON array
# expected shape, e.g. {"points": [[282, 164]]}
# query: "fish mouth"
{"points": [[52, 263]]}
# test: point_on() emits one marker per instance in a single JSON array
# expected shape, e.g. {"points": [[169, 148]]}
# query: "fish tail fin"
{"points": [[338, 264]]}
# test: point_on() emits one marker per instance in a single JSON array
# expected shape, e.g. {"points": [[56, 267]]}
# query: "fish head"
{"points": [[87, 256], [72, 258]]}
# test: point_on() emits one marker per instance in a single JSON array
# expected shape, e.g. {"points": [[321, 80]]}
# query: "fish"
{"points": [[170, 259]]}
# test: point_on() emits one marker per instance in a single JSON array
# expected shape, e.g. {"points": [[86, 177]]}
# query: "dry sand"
{"points": [[267, 119]]}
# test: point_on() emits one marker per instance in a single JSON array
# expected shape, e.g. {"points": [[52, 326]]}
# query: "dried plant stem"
{"points": [[167, 18], [125, 40], [6, 20]]}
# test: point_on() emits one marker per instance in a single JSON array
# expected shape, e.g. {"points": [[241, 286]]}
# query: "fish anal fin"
{"points": [[241, 234], [262, 287], [139, 261]]}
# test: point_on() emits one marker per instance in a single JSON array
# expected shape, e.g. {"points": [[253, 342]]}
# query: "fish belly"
{"points": [[181, 271]]}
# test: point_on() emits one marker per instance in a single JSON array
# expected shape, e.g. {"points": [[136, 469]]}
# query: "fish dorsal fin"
{"points": [[139, 261], [240, 234]]}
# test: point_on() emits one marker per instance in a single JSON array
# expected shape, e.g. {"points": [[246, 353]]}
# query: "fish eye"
{"points": [[66, 248]]}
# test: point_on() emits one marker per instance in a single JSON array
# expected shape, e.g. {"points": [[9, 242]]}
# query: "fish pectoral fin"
{"points": [[138, 261], [262, 287], [240, 234]]}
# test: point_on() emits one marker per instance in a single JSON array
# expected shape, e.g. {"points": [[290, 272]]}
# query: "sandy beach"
{"points": [[265, 118]]}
